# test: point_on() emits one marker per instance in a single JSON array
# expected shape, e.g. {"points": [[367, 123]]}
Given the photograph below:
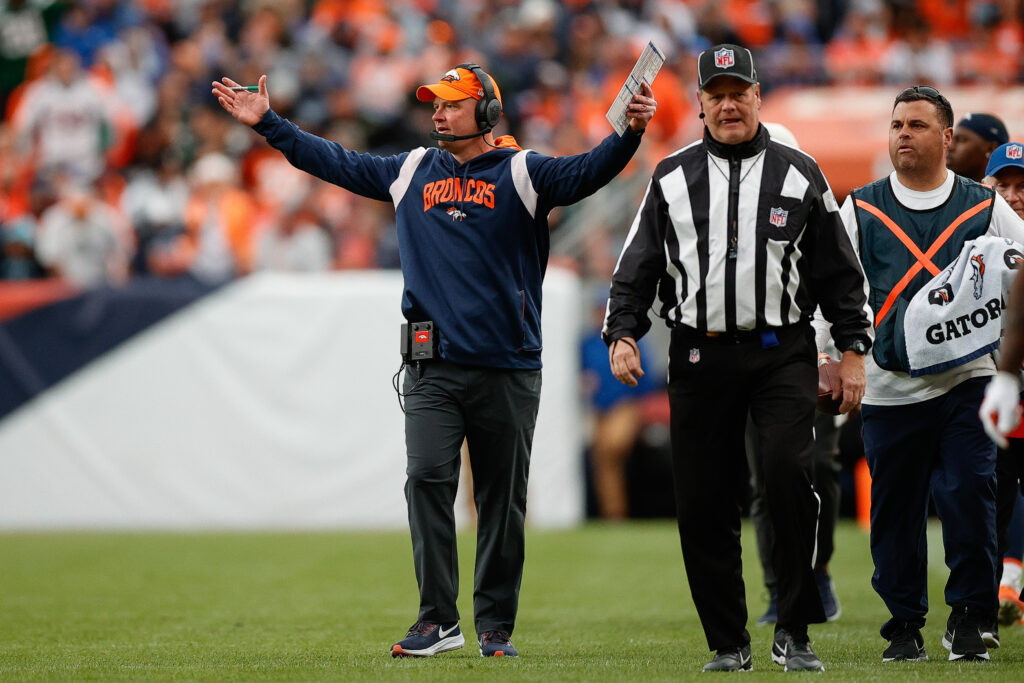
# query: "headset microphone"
{"points": [[488, 108], [701, 115], [448, 137]]}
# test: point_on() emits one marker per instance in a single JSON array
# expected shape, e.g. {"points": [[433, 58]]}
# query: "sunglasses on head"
{"points": [[925, 90], [930, 94]]}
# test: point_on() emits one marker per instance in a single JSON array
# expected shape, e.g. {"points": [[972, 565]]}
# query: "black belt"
{"points": [[766, 337]]}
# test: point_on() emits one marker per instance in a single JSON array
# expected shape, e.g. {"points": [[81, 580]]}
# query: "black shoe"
{"points": [[907, 645], [496, 644], [731, 659], [771, 615], [963, 636], [990, 636], [793, 651], [426, 640], [827, 592]]}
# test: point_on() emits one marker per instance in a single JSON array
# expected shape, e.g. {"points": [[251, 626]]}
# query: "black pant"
{"points": [[826, 485], [495, 410], [933, 449], [713, 384]]}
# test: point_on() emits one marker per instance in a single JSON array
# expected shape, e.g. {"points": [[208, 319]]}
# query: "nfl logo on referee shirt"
{"points": [[724, 58], [694, 355], [778, 218], [1014, 151]]}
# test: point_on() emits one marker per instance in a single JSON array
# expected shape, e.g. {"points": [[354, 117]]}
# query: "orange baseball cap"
{"points": [[457, 84]]}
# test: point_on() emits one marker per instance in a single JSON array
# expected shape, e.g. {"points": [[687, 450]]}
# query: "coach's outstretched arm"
{"points": [[247, 107]]}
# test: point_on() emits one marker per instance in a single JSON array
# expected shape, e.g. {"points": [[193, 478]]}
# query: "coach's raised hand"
{"points": [[247, 107]]}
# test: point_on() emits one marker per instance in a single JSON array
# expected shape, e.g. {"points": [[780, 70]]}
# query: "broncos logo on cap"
{"points": [[452, 75]]}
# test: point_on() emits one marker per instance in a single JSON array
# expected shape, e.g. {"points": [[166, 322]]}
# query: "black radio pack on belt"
{"points": [[418, 341]]}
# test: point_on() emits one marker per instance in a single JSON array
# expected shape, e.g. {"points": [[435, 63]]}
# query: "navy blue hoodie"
{"points": [[473, 237]]}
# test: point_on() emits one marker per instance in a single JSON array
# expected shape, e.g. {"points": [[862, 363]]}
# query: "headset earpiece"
{"points": [[488, 107]]}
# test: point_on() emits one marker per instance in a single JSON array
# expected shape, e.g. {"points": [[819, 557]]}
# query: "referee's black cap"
{"points": [[725, 60]]}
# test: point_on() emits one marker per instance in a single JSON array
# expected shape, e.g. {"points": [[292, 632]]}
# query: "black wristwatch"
{"points": [[857, 346]]}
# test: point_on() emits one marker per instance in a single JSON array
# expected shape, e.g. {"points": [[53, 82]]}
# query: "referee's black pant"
{"points": [[714, 382], [495, 410]]}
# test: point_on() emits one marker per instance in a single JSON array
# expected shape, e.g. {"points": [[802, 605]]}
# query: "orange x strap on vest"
{"points": [[924, 260]]}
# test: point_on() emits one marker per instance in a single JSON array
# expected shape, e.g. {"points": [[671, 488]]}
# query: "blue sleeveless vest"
{"points": [[889, 232]]}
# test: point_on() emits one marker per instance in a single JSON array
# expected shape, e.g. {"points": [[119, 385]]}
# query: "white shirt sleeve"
{"points": [[823, 334], [849, 215], [1005, 221]]}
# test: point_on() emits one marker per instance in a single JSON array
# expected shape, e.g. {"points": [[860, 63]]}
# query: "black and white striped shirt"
{"points": [[737, 237]]}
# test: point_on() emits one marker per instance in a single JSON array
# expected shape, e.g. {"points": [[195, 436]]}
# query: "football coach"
{"points": [[472, 223], [740, 238]]}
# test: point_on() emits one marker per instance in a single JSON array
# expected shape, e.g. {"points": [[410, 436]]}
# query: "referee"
{"points": [[740, 238]]}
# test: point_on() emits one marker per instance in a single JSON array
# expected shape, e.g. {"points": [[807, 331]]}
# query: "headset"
{"points": [[488, 107]]}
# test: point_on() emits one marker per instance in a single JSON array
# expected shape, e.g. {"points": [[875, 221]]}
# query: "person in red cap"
{"points": [[472, 227]]}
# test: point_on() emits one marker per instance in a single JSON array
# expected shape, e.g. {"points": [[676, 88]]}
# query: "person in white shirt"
{"points": [[66, 121], [922, 435]]}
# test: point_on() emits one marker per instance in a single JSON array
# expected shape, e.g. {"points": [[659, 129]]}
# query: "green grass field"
{"points": [[602, 602]]}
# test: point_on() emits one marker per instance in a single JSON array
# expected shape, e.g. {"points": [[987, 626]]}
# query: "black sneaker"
{"points": [[827, 591], [990, 636], [907, 645], [425, 639], [496, 644], [963, 637], [793, 652], [731, 659]]}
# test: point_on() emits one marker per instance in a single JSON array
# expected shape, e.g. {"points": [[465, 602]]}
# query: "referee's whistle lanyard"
{"points": [[734, 206], [735, 180]]}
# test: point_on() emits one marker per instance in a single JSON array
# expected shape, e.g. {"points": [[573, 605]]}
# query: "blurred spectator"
{"points": [[83, 240], [751, 19], [298, 244], [855, 56], [795, 57], [918, 57], [17, 249], [89, 25], [714, 28], [975, 136], [617, 416], [154, 200], [65, 120], [15, 175], [992, 51], [217, 243], [24, 29]]}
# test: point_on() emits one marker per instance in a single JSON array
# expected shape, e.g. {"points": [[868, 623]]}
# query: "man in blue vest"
{"points": [[922, 435]]}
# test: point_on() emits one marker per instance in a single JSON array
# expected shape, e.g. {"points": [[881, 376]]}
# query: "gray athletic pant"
{"points": [[495, 410]]}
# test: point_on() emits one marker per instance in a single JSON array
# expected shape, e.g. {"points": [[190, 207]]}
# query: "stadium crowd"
{"points": [[115, 162]]}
